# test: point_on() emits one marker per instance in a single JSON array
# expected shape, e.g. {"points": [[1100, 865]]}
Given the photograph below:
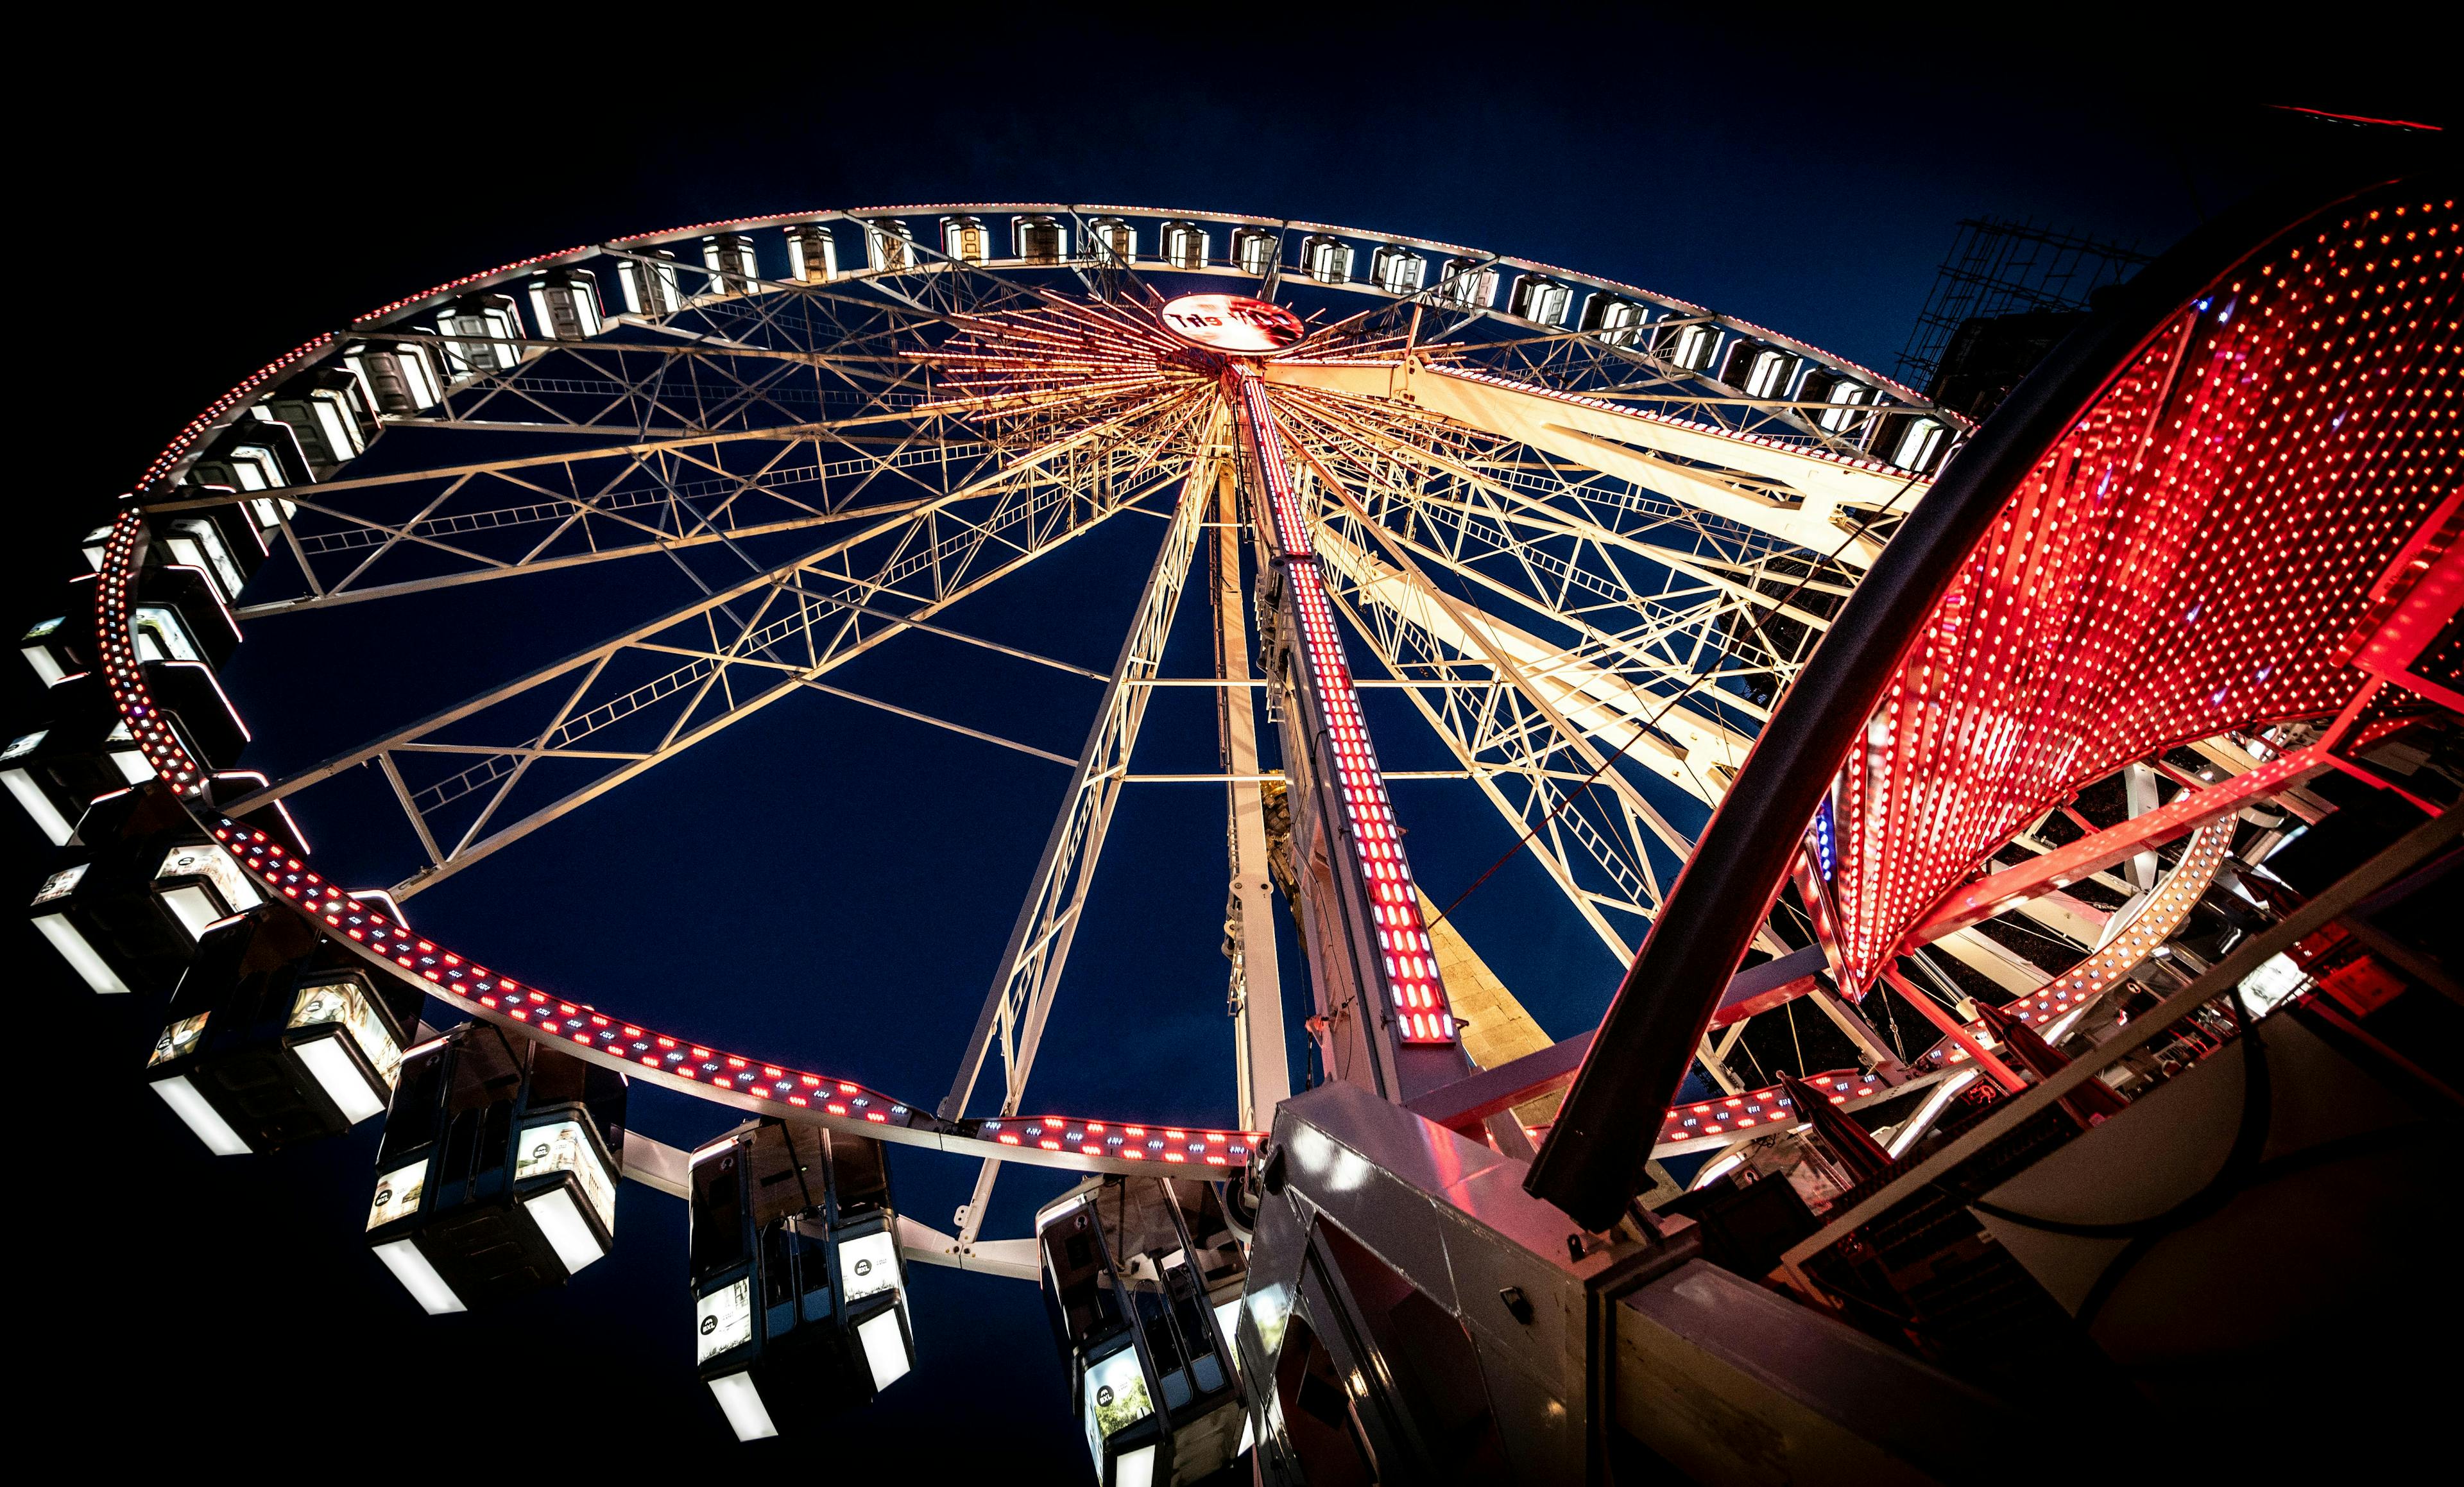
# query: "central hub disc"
{"points": [[1232, 322]]}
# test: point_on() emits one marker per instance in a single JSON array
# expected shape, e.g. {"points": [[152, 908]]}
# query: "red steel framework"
{"points": [[2207, 516], [2194, 555]]}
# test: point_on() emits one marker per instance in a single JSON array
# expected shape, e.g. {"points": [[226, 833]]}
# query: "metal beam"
{"points": [[1384, 1020], [823, 616], [899, 529], [1681, 460], [2185, 813], [1262, 1077], [2389, 866], [1020, 999]]}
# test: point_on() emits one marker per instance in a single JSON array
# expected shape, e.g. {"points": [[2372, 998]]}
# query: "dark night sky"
{"points": [[767, 892]]}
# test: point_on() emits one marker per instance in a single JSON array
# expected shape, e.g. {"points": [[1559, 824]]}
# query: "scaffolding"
{"points": [[1998, 267]]}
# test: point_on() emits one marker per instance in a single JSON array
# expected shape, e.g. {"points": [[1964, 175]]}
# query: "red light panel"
{"points": [[1422, 1013], [2191, 557]]}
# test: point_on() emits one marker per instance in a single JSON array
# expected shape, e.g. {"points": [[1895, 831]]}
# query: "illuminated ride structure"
{"points": [[2116, 741]]}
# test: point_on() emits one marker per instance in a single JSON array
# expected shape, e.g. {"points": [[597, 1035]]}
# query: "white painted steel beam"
{"points": [[1021, 1000], [1261, 1076], [1694, 463]]}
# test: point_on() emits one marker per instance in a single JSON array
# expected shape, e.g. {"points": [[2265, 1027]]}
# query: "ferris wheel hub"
{"points": [[1233, 323]]}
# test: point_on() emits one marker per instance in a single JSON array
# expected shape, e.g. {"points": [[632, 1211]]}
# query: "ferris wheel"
{"points": [[1588, 533]]}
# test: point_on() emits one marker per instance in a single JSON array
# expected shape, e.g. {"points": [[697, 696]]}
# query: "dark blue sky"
{"points": [[1808, 180]]}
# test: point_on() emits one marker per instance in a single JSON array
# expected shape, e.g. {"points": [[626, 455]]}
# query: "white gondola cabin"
{"points": [[564, 305], [966, 239], [82, 751], [1540, 300], [800, 1296], [498, 1169], [402, 377], [1612, 320], [482, 333], [1255, 249], [58, 648], [127, 900], [1183, 245], [327, 411], [1469, 282], [1397, 269], [648, 282], [1758, 371], [1910, 441], [1040, 240], [222, 543], [1326, 258], [278, 1035], [1112, 240], [733, 268], [812, 253], [889, 244], [254, 454], [1841, 400], [1690, 346], [1142, 1276]]}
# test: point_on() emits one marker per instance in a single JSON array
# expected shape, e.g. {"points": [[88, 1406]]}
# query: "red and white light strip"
{"points": [[1728, 1113], [2159, 914], [448, 976], [121, 670], [1422, 1011]]}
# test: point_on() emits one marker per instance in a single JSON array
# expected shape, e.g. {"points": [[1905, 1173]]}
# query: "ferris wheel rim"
{"points": [[177, 457], [166, 463]]}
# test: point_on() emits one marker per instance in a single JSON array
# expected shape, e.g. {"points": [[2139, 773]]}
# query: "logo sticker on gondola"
{"points": [[1232, 322]]}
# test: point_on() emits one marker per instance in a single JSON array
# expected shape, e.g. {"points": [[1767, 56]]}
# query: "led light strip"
{"points": [[2158, 916], [1752, 1109], [121, 670], [1418, 998], [2181, 562]]}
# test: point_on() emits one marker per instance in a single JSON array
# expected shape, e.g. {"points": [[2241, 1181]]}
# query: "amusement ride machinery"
{"points": [[2038, 763]]}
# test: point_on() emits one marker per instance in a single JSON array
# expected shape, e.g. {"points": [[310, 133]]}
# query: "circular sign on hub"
{"points": [[1232, 322]]}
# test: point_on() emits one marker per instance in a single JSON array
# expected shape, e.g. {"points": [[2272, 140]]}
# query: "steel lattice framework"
{"points": [[1591, 532], [2196, 555]]}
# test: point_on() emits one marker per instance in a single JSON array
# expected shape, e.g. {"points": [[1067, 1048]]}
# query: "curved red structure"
{"points": [[2179, 527], [2193, 555]]}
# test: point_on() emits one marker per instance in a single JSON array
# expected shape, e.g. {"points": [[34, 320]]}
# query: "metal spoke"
{"points": [[807, 617], [1020, 999]]}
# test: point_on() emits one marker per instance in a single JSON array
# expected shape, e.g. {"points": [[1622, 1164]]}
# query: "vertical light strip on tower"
{"points": [[1418, 999]]}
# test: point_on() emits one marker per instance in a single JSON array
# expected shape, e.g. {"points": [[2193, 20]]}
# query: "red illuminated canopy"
{"points": [[2194, 555], [2183, 524]]}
